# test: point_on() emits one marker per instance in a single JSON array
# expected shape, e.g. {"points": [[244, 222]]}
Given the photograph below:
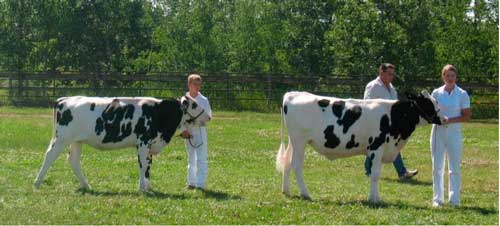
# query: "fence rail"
{"points": [[226, 91]]}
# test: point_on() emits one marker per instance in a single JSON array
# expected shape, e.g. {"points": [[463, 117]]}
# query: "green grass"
{"points": [[243, 185]]}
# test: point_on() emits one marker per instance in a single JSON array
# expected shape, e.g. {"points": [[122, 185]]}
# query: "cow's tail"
{"points": [[284, 157], [54, 118]]}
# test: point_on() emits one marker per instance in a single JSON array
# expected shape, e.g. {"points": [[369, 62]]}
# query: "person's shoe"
{"points": [[200, 188], [437, 204], [190, 187], [409, 174]]}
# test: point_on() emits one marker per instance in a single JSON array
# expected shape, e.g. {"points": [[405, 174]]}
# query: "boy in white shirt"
{"points": [[196, 139]]}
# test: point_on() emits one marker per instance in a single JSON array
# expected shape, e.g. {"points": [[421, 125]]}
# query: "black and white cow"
{"points": [[110, 123], [338, 128]]}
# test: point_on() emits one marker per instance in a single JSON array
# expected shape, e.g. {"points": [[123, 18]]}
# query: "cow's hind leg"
{"points": [[375, 157], [298, 147], [74, 159], [142, 157], [54, 150]]}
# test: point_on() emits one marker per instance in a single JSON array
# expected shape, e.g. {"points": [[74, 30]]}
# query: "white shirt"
{"points": [[203, 102], [377, 89], [452, 104]]}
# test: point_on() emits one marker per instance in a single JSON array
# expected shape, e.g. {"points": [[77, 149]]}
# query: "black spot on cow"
{"points": [[160, 118], [384, 130], [65, 118], [150, 161], [285, 109], [99, 126], [370, 163], [185, 105], [62, 118], [139, 160], [351, 143], [59, 106], [92, 106], [387, 139], [332, 141], [194, 105], [115, 120], [370, 140], [337, 108], [323, 103], [404, 119], [350, 117]]}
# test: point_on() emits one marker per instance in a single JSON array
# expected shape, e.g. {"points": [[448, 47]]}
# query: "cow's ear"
{"points": [[425, 93]]}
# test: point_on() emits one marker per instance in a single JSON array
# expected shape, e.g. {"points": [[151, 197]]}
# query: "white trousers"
{"points": [[197, 157], [446, 140]]}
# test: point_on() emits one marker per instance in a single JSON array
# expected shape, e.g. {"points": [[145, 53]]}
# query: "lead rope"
{"points": [[191, 143]]}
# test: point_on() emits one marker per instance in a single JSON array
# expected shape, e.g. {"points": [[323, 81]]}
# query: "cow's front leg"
{"points": [[375, 157], [142, 157]]}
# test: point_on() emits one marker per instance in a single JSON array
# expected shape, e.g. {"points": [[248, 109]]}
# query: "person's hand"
{"points": [[185, 134], [446, 121]]}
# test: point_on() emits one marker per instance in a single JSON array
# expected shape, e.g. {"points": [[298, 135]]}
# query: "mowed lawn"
{"points": [[243, 185]]}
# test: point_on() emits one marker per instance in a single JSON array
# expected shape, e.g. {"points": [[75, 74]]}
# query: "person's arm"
{"points": [[369, 92], [209, 110], [463, 118], [185, 134], [465, 113]]}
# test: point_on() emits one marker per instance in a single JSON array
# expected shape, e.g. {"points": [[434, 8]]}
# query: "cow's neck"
{"points": [[169, 117], [404, 119]]}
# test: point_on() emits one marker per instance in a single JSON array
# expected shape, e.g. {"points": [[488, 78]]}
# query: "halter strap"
{"points": [[425, 115], [193, 118]]}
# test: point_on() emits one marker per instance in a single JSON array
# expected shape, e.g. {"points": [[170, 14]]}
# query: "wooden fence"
{"points": [[226, 91]]}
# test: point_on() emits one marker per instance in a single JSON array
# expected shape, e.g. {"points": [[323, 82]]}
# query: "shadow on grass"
{"points": [[149, 194], [402, 205], [408, 181], [218, 195]]}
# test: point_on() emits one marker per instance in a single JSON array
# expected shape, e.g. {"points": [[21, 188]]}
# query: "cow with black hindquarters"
{"points": [[111, 123], [338, 128]]}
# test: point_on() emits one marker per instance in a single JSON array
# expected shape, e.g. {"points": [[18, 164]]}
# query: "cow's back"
{"points": [[335, 127], [104, 123]]}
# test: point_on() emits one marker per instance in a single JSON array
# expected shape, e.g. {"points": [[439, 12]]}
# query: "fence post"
{"points": [[227, 90], [269, 89], [20, 85]]}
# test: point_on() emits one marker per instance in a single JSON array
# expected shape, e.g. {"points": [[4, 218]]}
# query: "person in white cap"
{"points": [[454, 103], [382, 88], [196, 139]]}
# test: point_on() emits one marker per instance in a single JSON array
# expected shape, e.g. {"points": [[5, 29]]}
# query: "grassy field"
{"points": [[243, 185]]}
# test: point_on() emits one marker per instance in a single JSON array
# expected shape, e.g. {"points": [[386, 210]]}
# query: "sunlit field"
{"points": [[243, 186]]}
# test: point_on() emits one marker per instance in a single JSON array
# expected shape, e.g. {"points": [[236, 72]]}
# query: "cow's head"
{"points": [[192, 113], [426, 107]]}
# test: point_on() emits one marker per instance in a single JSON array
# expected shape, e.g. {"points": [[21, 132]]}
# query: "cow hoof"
{"points": [[84, 187], [145, 187], [306, 197], [286, 193]]}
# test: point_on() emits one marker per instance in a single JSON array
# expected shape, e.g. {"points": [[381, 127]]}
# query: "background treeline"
{"points": [[249, 36]]}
